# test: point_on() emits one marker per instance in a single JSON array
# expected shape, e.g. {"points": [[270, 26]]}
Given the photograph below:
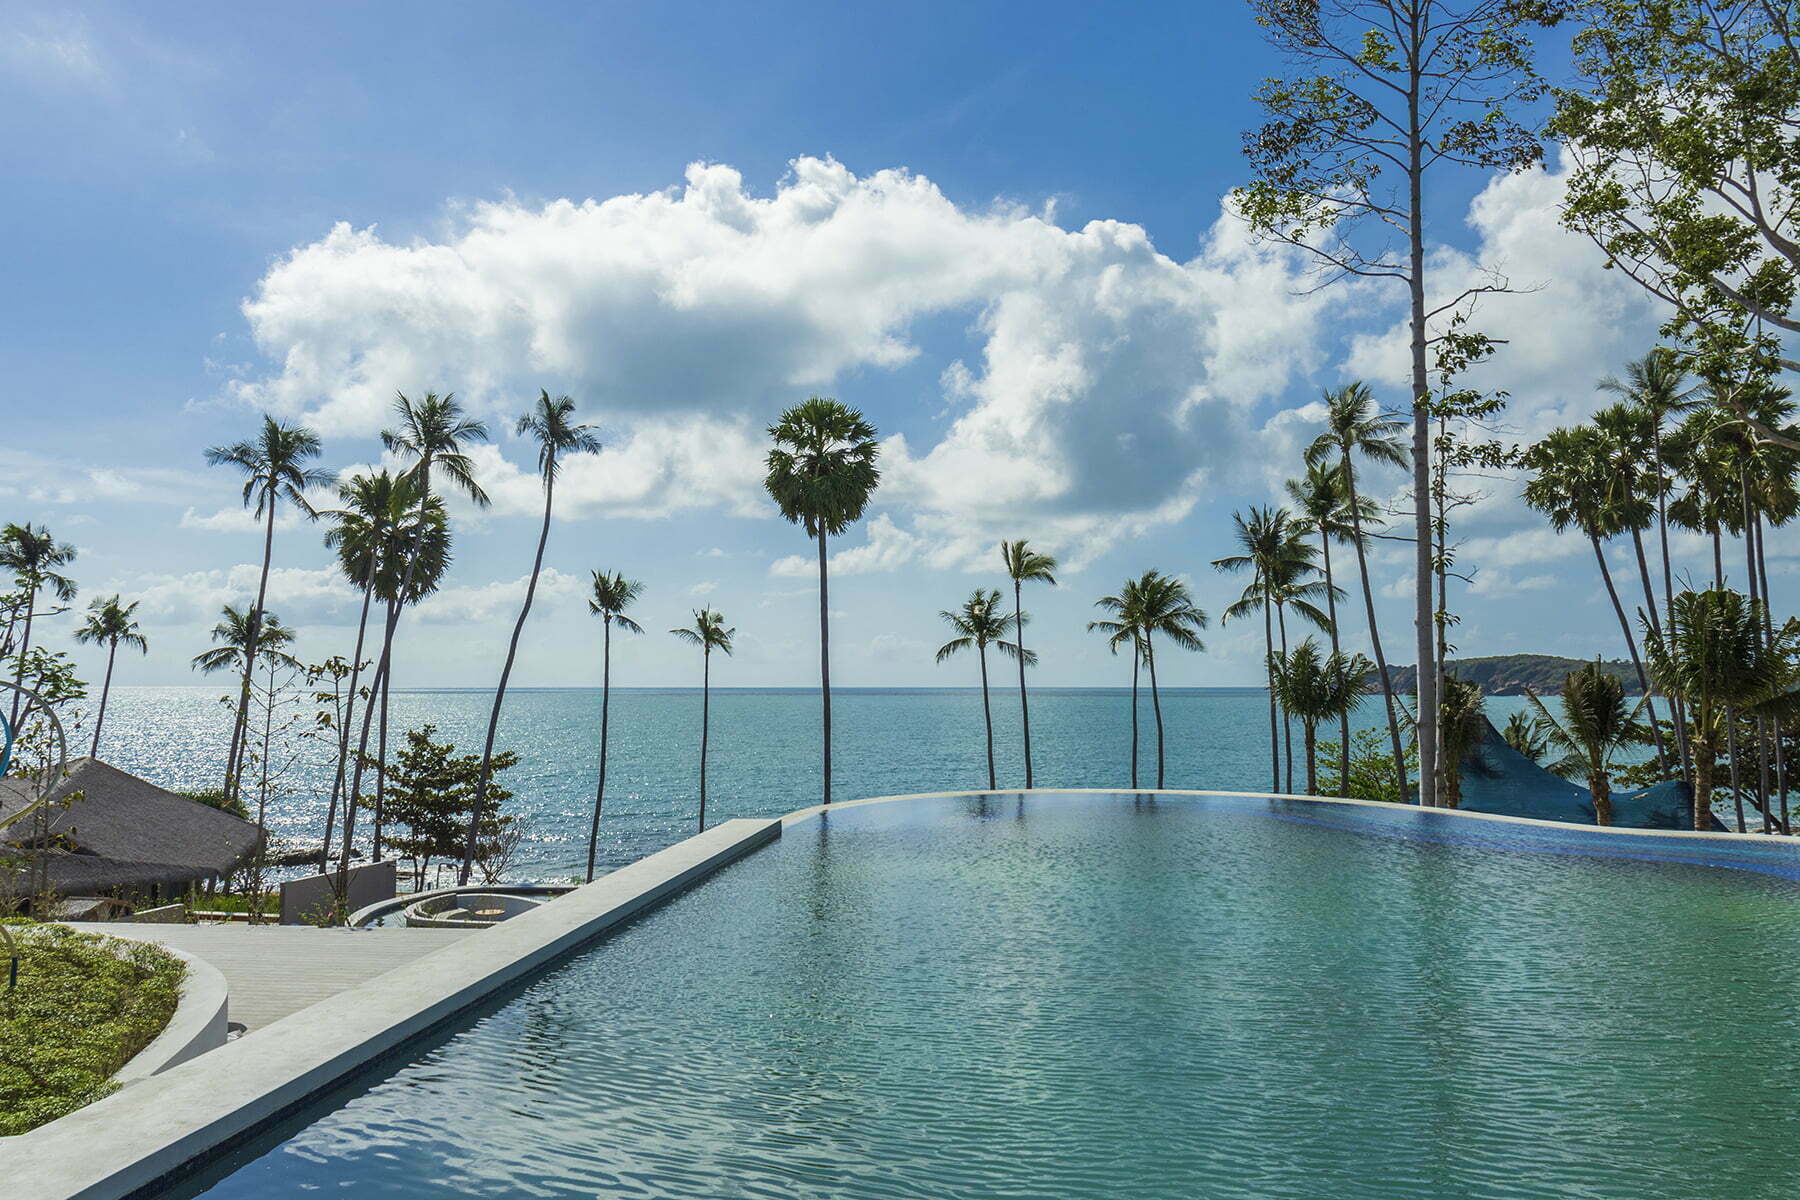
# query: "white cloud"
{"points": [[498, 601], [299, 596]]}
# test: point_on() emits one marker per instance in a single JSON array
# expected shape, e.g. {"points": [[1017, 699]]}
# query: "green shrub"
{"points": [[83, 1007]]}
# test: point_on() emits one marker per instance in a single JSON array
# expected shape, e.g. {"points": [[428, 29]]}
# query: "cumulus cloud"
{"points": [[299, 596], [1112, 382], [498, 601]]}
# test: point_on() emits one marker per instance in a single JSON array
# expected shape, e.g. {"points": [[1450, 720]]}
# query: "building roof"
{"points": [[127, 832]]}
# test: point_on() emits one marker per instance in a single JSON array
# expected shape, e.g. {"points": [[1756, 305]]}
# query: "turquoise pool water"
{"points": [[1107, 996]]}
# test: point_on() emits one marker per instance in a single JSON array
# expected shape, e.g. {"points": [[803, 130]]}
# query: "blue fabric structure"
{"points": [[1498, 779]]}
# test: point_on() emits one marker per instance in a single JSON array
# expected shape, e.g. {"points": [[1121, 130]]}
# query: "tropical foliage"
{"points": [[978, 624]]}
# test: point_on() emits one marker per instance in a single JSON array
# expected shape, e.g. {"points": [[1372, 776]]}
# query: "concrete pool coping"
{"points": [[147, 1133], [144, 1136]]}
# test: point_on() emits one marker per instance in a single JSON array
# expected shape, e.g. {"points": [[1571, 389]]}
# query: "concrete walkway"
{"points": [[274, 970]]}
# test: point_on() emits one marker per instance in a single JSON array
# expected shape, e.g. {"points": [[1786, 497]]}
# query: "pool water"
{"points": [[1104, 996]]}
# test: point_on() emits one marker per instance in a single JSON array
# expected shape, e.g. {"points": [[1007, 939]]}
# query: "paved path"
{"points": [[273, 970]]}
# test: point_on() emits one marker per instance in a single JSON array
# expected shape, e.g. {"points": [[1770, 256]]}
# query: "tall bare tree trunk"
{"points": [[1387, 683], [1343, 717], [112, 649], [1024, 702], [1423, 620], [825, 660], [605, 713], [1287, 718], [234, 762], [1156, 706], [1137, 655], [1269, 672], [705, 724], [987, 713], [1630, 643]]}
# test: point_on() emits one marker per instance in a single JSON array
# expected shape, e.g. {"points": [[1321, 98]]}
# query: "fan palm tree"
{"points": [[978, 625], [612, 595], [380, 539], [1025, 565], [274, 466], [1714, 653], [709, 633], [1356, 428], [1126, 627], [551, 423], [110, 623], [1323, 502], [1596, 724], [821, 474], [1569, 486], [35, 559], [1165, 605], [1318, 687]]}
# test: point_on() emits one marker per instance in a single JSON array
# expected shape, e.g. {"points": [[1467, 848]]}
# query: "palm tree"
{"points": [[34, 557], [1596, 724], [1279, 560], [552, 424], [379, 540], [1355, 427], [821, 473], [1460, 724], [709, 633], [1522, 734], [979, 624], [1714, 654], [233, 633], [1126, 626], [1318, 687], [1025, 565], [1162, 604], [1657, 385], [1323, 502], [612, 595], [109, 623], [274, 469], [1570, 487]]}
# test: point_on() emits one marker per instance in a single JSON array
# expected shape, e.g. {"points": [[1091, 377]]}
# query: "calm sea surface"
{"points": [[764, 757]]}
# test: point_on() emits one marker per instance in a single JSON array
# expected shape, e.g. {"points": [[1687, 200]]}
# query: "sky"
{"points": [[998, 229]]}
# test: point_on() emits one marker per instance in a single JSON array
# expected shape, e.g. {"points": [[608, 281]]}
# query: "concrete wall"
{"points": [[201, 1023], [168, 914], [305, 898]]}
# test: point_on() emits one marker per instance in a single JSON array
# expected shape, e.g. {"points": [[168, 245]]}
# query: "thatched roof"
{"points": [[126, 832]]}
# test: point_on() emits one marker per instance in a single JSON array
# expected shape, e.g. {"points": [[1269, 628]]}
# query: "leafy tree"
{"points": [[1318, 687], [1715, 655], [821, 474], [552, 425], [110, 623], [1373, 774], [1459, 726], [1383, 97], [1596, 724], [1322, 499], [612, 595], [35, 559], [1025, 565], [978, 625], [431, 792], [274, 466], [709, 633]]}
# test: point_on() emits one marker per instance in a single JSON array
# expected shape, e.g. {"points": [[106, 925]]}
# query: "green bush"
{"points": [[83, 1007]]}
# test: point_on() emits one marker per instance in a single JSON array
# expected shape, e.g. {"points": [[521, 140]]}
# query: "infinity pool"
{"points": [[1071, 995]]}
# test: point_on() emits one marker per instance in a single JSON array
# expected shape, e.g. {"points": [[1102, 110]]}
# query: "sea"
{"points": [[763, 757]]}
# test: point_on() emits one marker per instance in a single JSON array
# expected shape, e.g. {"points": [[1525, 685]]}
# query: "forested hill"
{"points": [[1511, 674]]}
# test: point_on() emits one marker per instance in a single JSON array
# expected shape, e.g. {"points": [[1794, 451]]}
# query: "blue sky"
{"points": [[997, 228]]}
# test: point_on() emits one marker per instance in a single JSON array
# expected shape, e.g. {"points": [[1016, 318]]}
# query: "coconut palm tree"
{"points": [[1658, 386], [1460, 724], [1126, 627], [1323, 502], [1522, 734], [233, 635], [1356, 428], [821, 474], [1569, 486], [109, 623], [978, 625], [612, 595], [1715, 654], [1155, 603], [1025, 565], [551, 423], [709, 633], [1318, 687], [1596, 724], [274, 466], [35, 559]]}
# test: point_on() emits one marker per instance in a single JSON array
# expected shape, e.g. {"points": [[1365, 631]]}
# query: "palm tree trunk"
{"points": [[1630, 645], [1762, 569], [605, 714], [1600, 789], [1156, 706], [1136, 658], [512, 652], [705, 724], [825, 660], [112, 649], [1387, 683], [1637, 545], [1336, 648], [24, 648], [362, 748], [1423, 619], [381, 750], [987, 714], [1287, 720], [1678, 709], [1312, 773], [1731, 756], [1269, 673], [1756, 594], [255, 634], [1718, 557], [1024, 704], [362, 627], [1703, 773]]}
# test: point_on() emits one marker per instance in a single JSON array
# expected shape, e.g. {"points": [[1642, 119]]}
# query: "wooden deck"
{"points": [[274, 970]]}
